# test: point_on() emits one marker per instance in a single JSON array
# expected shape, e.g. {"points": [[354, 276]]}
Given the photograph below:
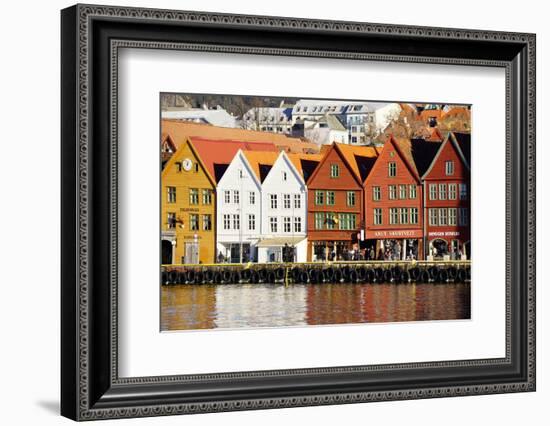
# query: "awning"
{"points": [[280, 241]]}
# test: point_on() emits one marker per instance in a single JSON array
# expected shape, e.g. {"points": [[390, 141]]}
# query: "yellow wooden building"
{"points": [[188, 209]]}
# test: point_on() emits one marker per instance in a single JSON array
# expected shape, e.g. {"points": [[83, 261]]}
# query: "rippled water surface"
{"points": [[190, 307]]}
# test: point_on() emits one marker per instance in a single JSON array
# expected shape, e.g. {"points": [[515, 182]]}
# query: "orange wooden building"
{"points": [[336, 202]]}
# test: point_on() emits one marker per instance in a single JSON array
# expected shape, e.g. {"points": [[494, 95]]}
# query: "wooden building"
{"points": [[446, 185], [393, 204], [335, 202], [188, 221]]}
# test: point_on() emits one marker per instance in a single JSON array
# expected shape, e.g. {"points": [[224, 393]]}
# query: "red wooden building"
{"points": [[393, 204], [335, 202], [446, 184]]}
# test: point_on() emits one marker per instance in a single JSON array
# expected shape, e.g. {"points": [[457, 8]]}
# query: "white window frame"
{"points": [[442, 191], [452, 191], [433, 191], [377, 219]]}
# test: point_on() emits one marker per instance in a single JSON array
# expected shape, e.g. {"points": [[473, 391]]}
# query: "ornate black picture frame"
{"points": [[91, 36]]}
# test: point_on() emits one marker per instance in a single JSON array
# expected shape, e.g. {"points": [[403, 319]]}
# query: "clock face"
{"points": [[187, 164]]}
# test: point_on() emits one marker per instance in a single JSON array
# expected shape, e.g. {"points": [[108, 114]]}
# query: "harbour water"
{"points": [[192, 307]]}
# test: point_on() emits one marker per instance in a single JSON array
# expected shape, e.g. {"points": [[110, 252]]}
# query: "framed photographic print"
{"points": [[263, 212]]}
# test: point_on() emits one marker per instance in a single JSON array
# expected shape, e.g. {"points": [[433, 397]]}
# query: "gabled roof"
{"points": [[463, 140], [305, 164], [360, 158], [261, 162], [215, 153], [193, 149], [404, 148], [423, 153], [451, 138], [357, 158]]}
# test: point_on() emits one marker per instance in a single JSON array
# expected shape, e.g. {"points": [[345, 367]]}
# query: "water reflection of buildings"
{"points": [[188, 308], [260, 306], [250, 306]]}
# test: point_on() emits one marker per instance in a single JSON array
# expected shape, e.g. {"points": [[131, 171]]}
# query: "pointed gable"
{"points": [[261, 162], [398, 151], [449, 150], [348, 175]]}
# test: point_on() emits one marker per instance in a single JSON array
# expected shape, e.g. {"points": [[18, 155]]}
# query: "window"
{"points": [[414, 215], [433, 191], [251, 222], [442, 191], [226, 221], [463, 216], [402, 192], [286, 201], [330, 221], [347, 221], [298, 224], [394, 216], [354, 139], [378, 216], [452, 216], [319, 220], [286, 224], [297, 201], [392, 169], [193, 196], [236, 221], [330, 198], [273, 199], [433, 217], [171, 218], [252, 198], [171, 194], [376, 193], [412, 192], [284, 175], [463, 191], [194, 222], [442, 217], [351, 198], [334, 171], [206, 222], [207, 196], [227, 196], [236, 197], [452, 191], [449, 168], [196, 167], [319, 197], [273, 224], [392, 192], [404, 216]]}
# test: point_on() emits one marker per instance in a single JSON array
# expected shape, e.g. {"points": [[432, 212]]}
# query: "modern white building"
{"points": [[284, 212], [269, 119], [324, 130], [238, 215], [362, 120]]}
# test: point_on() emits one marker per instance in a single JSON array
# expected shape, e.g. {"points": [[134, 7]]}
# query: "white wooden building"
{"points": [[238, 212], [284, 212]]}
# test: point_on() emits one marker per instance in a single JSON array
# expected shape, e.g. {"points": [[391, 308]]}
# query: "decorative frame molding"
{"points": [[91, 388]]}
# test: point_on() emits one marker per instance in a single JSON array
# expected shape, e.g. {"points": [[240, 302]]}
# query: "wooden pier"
{"points": [[395, 272]]}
